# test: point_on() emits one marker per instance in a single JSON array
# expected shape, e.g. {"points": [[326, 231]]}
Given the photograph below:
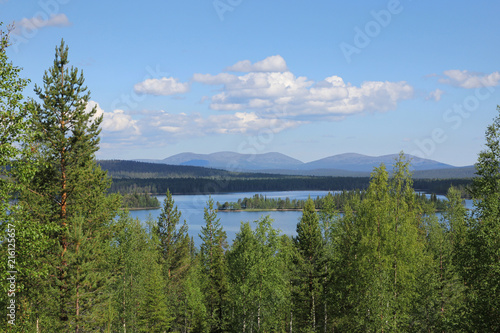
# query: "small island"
{"points": [[137, 201], [260, 202]]}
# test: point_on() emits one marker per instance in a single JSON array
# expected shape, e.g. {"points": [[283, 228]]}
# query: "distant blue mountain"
{"points": [[363, 163], [234, 161], [349, 163]]}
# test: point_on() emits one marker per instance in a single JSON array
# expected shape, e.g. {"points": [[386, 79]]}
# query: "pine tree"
{"points": [[68, 193]]}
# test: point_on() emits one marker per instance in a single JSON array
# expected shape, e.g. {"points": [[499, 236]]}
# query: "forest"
{"points": [[73, 261], [205, 185]]}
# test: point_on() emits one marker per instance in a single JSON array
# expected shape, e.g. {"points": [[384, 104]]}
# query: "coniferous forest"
{"points": [[72, 261]]}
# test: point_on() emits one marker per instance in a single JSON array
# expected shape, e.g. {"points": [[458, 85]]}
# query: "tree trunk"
{"points": [[124, 307], [325, 300], [77, 309], [258, 309]]}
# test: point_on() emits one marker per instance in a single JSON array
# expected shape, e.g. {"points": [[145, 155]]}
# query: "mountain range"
{"points": [[348, 164]]}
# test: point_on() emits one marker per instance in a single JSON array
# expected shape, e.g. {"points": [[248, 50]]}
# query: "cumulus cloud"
{"points": [[332, 97], [263, 96], [221, 78], [114, 121], [469, 80], [274, 63], [161, 87], [435, 95], [37, 22], [189, 125]]}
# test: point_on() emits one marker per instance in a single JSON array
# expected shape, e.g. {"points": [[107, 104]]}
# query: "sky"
{"points": [[306, 79]]}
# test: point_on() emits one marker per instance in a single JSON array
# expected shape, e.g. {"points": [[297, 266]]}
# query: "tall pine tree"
{"points": [[68, 192]]}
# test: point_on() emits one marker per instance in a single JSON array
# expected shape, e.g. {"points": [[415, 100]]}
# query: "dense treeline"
{"points": [[207, 186], [72, 262], [290, 183], [339, 199], [139, 200], [132, 169]]}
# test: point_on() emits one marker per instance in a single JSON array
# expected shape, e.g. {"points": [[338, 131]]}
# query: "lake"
{"points": [[191, 208]]}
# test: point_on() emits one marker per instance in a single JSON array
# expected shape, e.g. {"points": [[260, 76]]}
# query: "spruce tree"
{"points": [[170, 238], [309, 242], [174, 250], [213, 268]]}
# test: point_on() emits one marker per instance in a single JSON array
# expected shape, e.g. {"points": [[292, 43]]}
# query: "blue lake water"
{"points": [[191, 208]]}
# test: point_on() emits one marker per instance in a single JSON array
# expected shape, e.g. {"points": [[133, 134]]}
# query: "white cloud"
{"points": [[115, 121], [163, 87], [270, 64], [470, 80], [221, 78], [189, 125], [262, 92], [435, 95], [267, 98], [37, 22]]}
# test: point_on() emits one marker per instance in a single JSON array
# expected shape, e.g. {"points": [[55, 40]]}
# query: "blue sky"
{"points": [[308, 80]]}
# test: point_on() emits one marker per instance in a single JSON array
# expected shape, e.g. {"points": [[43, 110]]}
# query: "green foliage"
{"points": [[15, 142], [336, 200], [136, 200], [482, 269], [308, 282], [66, 209], [258, 290], [213, 269], [382, 247], [386, 264]]}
